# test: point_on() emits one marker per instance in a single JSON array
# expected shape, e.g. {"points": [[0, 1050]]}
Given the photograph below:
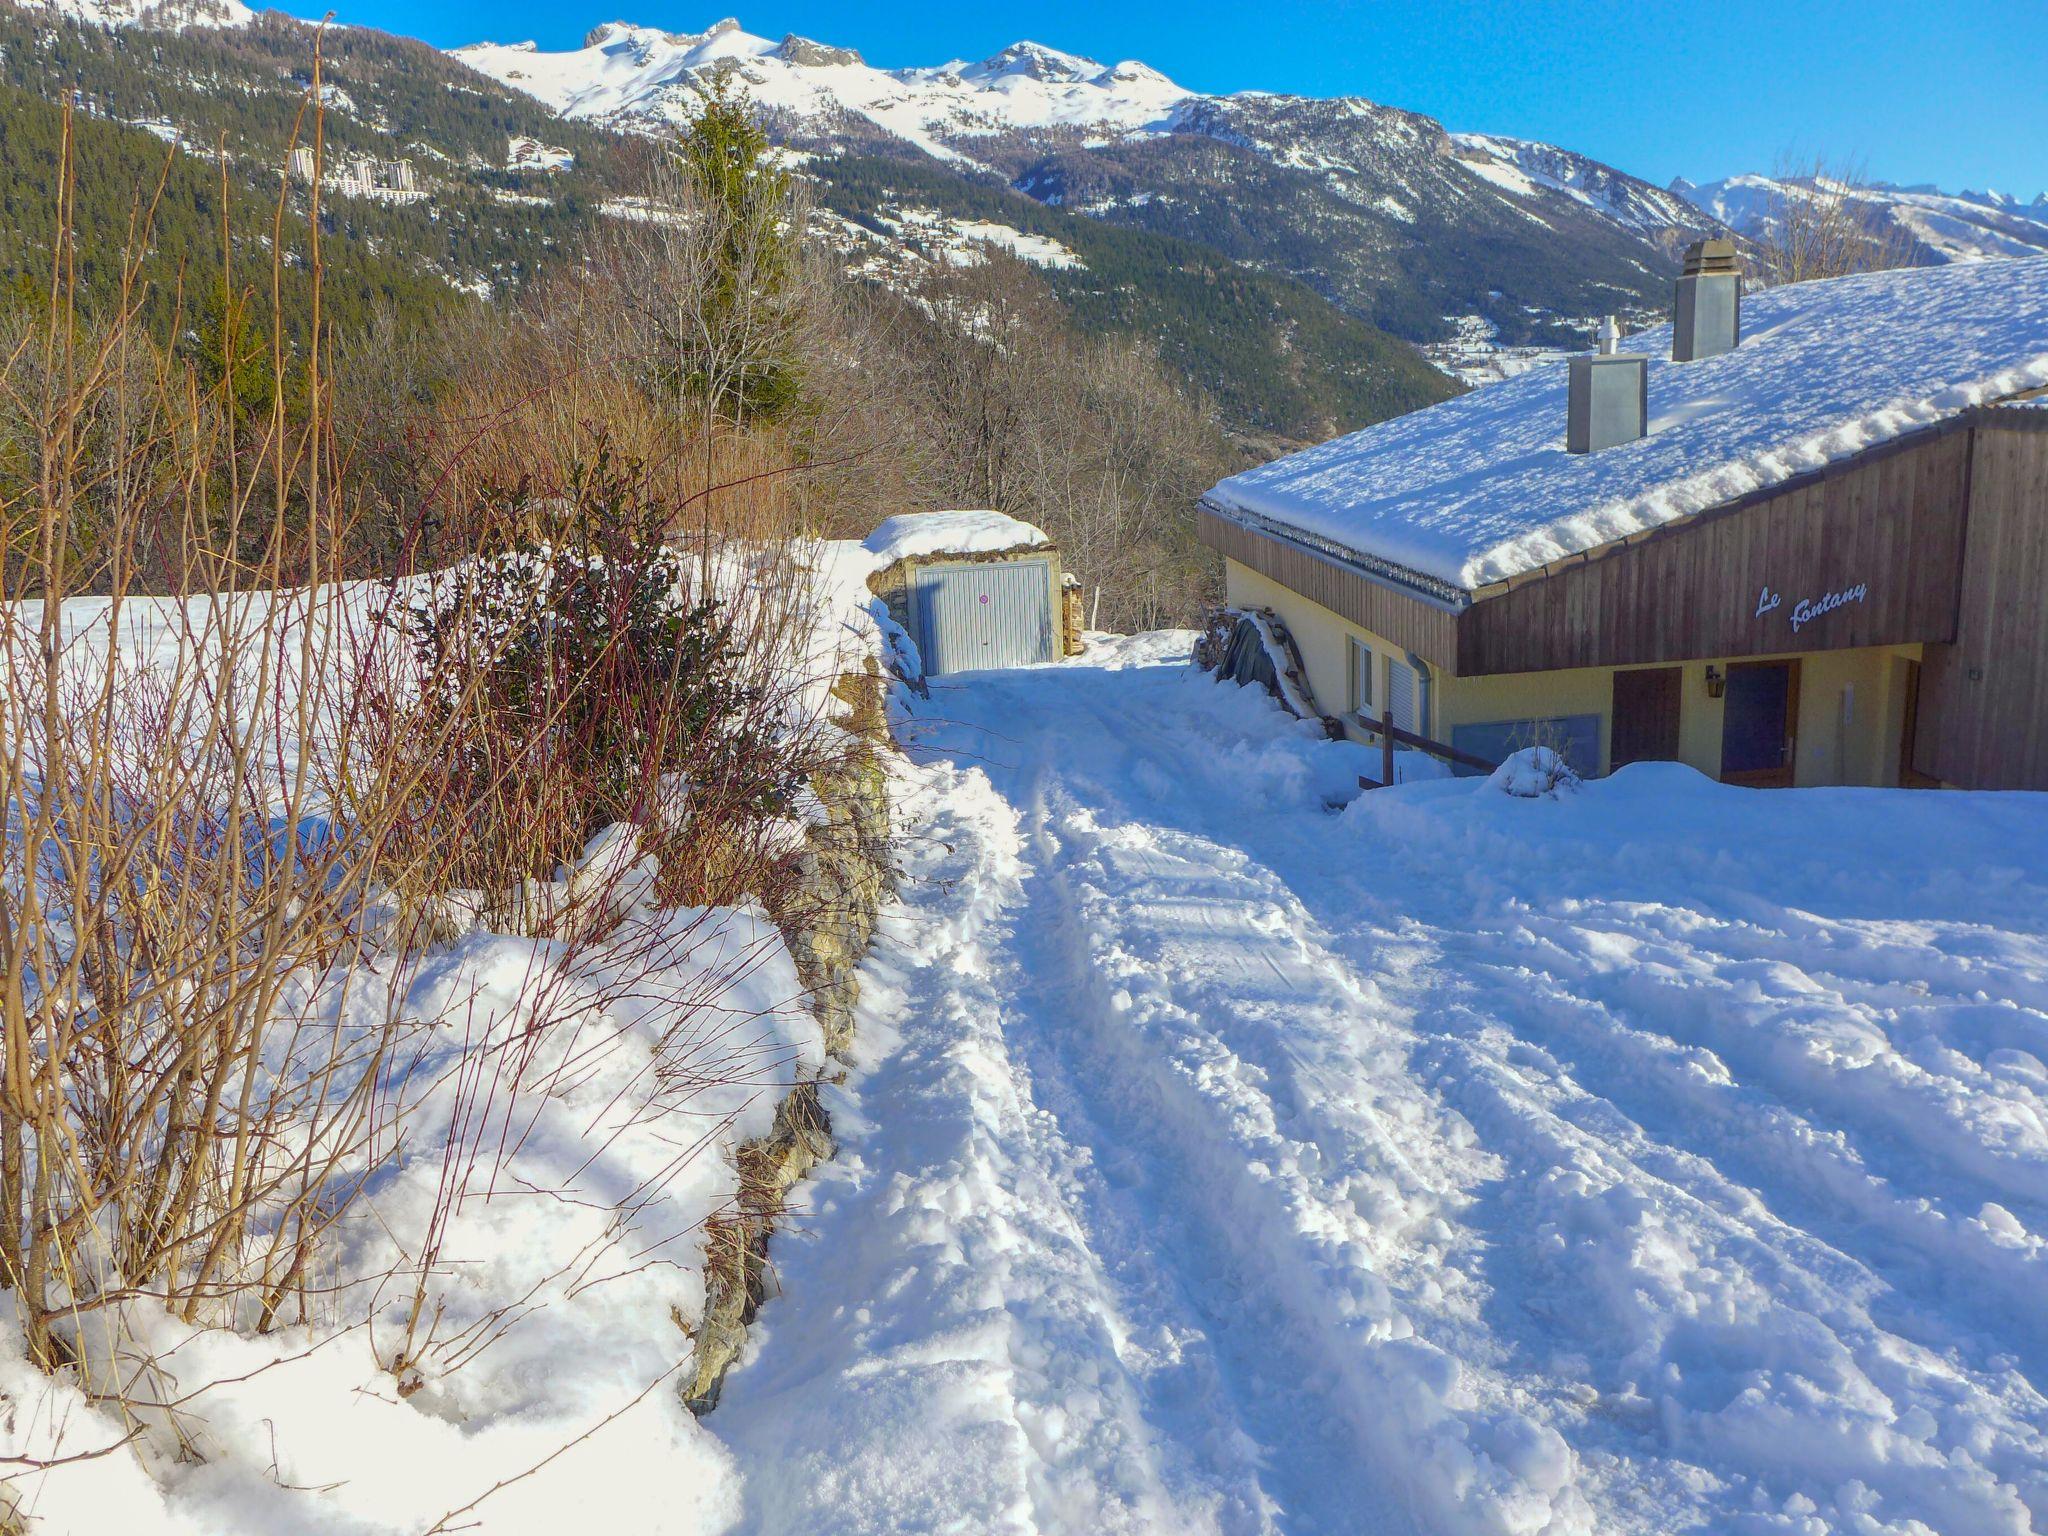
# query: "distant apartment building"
{"points": [[391, 180]]}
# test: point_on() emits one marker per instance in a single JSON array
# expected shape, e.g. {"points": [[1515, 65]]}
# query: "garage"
{"points": [[974, 590], [970, 616]]}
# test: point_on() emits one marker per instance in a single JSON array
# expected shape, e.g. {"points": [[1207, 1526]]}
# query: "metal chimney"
{"points": [[1610, 396], [1707, 320]]}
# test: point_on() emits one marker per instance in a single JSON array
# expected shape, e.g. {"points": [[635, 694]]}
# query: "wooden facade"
{"points": [[1982, 717], [1938, 539], [1730, 582]]}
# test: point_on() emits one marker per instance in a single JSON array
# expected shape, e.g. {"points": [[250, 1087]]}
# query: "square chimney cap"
{"points": [[1710, 256]]}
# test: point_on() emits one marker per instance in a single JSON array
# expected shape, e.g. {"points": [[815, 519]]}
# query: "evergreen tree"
{"points": [[230, 351], [737, 337]]}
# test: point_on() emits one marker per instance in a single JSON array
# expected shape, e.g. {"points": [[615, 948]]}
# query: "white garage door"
{"points": [[994, 614]]}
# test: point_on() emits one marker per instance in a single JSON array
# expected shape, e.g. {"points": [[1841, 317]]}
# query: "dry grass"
{"points": [[189, 1099], [235, 795]]}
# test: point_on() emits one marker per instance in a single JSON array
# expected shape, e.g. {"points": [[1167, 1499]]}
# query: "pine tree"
{"points": [[744, 355]]}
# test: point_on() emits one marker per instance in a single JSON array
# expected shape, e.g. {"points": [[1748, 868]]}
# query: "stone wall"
{"points": [[826, 910]]}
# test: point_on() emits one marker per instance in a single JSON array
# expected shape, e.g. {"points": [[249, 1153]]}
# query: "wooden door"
{"points": [[1644, 727], [1760, 723]]}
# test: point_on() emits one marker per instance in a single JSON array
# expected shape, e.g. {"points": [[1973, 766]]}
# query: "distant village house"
{"points": [[1798, 537], [523, 153]]}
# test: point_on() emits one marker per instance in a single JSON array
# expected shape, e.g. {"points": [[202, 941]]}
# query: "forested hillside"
{"points": [[1282, 362], [373, 256], [209, 117], [1277, 358]]}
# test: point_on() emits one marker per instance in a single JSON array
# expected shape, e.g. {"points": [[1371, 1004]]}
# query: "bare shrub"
{"points": [[1087, 437], [189, 1098], [1825, 221], [233, 788]]}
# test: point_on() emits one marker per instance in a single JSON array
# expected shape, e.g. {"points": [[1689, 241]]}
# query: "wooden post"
{"points": [[1387, 744]]}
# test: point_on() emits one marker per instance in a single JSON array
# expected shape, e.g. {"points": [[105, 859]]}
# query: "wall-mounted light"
{"points": [[1716, 683]]}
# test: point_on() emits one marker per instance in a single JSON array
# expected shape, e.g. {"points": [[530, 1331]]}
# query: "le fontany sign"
{"points": [[1807, 609]]}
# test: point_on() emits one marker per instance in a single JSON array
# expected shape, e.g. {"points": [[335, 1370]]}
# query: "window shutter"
{"points": [[1404, 694]]}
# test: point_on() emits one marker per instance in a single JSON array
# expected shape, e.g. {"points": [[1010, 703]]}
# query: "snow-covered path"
{"points": [[1666, 1157]]}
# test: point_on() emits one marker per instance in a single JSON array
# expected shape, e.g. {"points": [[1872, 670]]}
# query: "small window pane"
{"points": [[1361, 678]]}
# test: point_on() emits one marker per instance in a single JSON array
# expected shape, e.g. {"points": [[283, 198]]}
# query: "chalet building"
{"points": [[1799, 536]]}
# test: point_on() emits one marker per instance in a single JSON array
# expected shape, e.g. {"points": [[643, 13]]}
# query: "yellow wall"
{"points": [[1832, 746], [1324, 640]]}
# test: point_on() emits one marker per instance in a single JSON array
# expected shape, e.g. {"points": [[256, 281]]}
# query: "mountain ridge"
{"points": [[1934, 226], [1379, 209]]}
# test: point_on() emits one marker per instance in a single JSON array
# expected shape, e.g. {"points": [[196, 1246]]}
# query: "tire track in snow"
{"points": [[1294, 1175], [1750, 1243], [1269, 1219], [1809, 1183], [956, 1352]]}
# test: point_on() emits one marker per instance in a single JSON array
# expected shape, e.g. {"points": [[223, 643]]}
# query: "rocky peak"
{"points": [[801, 50], [1037, 62]]}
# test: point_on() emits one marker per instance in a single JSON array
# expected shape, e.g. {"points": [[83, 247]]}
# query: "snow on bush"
{"points": [[1532, 773]]}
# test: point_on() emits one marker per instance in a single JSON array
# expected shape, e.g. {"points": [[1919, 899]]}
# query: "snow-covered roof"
{"points": [[910, 535], [1480, 488]]}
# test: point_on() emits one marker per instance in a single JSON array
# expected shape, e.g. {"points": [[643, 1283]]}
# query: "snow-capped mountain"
{"points": [[174, 15], [1377, 208], [1941, 226], [629, 75], [1522, 166]]}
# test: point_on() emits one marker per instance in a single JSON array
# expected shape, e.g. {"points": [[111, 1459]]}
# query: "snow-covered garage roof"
{"points": [[1480, 488], [915, 535]]}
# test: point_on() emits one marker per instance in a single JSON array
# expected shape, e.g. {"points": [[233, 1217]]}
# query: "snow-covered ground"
{"points": [[1660, 1157], [1225, 1151], [501, 1319]]}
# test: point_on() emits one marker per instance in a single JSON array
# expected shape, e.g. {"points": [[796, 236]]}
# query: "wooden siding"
{"points": [[1983, 709], [1425, 627], [1891, 520]]}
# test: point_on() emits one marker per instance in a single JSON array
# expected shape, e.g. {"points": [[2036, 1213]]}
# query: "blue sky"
{"points": [[1947, 91]]}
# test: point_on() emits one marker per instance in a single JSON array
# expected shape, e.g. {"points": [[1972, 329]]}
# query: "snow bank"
{"points": [[503, 1316], [1533, 772], [574, 1247], [1480, 488], [911, 535]]}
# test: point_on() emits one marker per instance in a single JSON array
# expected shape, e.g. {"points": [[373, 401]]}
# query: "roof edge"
{"points": [[1411, 583]]}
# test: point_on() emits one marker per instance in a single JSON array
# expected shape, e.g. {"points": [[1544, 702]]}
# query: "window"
{"points": [[1361, 677], [1575, 738]]}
